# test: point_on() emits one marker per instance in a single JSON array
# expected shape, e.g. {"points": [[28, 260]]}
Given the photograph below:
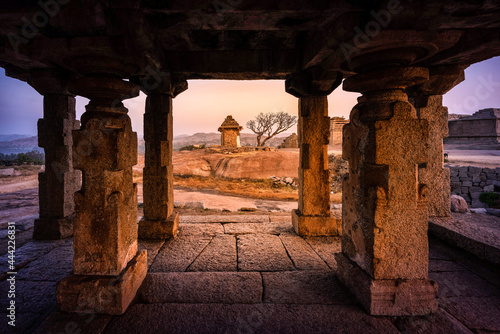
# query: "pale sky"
{"points": [[203, 107]]}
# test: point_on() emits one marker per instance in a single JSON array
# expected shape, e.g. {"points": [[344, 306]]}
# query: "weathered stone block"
{"points": [[475, 195], [467, 184], [203, 287], [316, 225], [476, 203], [458, 204], [98, 294], [159, 229], [475, 170], [489, 188], [394, 297]]}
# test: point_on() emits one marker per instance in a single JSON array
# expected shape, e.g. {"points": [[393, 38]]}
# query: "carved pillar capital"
{"points": [[313, 81], [441, 80], [158, 82], [49, 81]]}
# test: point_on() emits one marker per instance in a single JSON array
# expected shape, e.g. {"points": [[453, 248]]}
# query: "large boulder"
{"points": [[458, 204]]}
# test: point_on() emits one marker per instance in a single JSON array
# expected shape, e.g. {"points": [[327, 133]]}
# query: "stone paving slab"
{"points": [[252, 228], [25, 321], [463, 284], [202, 287], [152, 247], [445, 265], [281, 219], [209, 229], [477, 313], [437, 323], [262, 252], [31, 297], [325, 247], [219, 255], [305, 287], [53, 266], [30, 252], [223, 219], [301, 253], [478, 234], [62, 322], [253, 318], [178, 254]]}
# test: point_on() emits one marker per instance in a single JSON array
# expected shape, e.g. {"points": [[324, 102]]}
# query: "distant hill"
{"points": [[26, 144], [12, 137], [21, 145]]}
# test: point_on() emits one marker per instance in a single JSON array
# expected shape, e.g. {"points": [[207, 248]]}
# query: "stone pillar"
{"points": [[384, 255], [313, 217], [159, 221], [428, 99], [58, 183], [107, 268]]}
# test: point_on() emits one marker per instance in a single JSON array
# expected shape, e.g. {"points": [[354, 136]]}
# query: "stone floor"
{"points": [[247, 274]]}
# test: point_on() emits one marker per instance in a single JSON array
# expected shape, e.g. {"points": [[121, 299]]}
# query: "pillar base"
{"points": [[316, 225], [159, 229], [102, 294], [53, 228], [388, 297]]}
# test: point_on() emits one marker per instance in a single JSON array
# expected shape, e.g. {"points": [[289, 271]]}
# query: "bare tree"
{"points": [[271, 124]]}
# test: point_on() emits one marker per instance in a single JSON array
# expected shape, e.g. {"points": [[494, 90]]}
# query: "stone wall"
{"points": [[469, 182], [481, 128]]}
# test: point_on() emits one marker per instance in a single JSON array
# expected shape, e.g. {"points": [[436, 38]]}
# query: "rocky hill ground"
{"points": [[259, 174]]}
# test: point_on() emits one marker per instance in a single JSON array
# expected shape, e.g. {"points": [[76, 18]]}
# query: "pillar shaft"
{"points": [[106, 207], [58, 183], [314, 136], [384, 216], [428, 100], [106, 260], [159, 221], [313, 216], [435, 175], [158, 173]]}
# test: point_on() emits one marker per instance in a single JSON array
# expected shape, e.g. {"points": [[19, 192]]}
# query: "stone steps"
{"points": [[223, 219], [286, 287]]}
